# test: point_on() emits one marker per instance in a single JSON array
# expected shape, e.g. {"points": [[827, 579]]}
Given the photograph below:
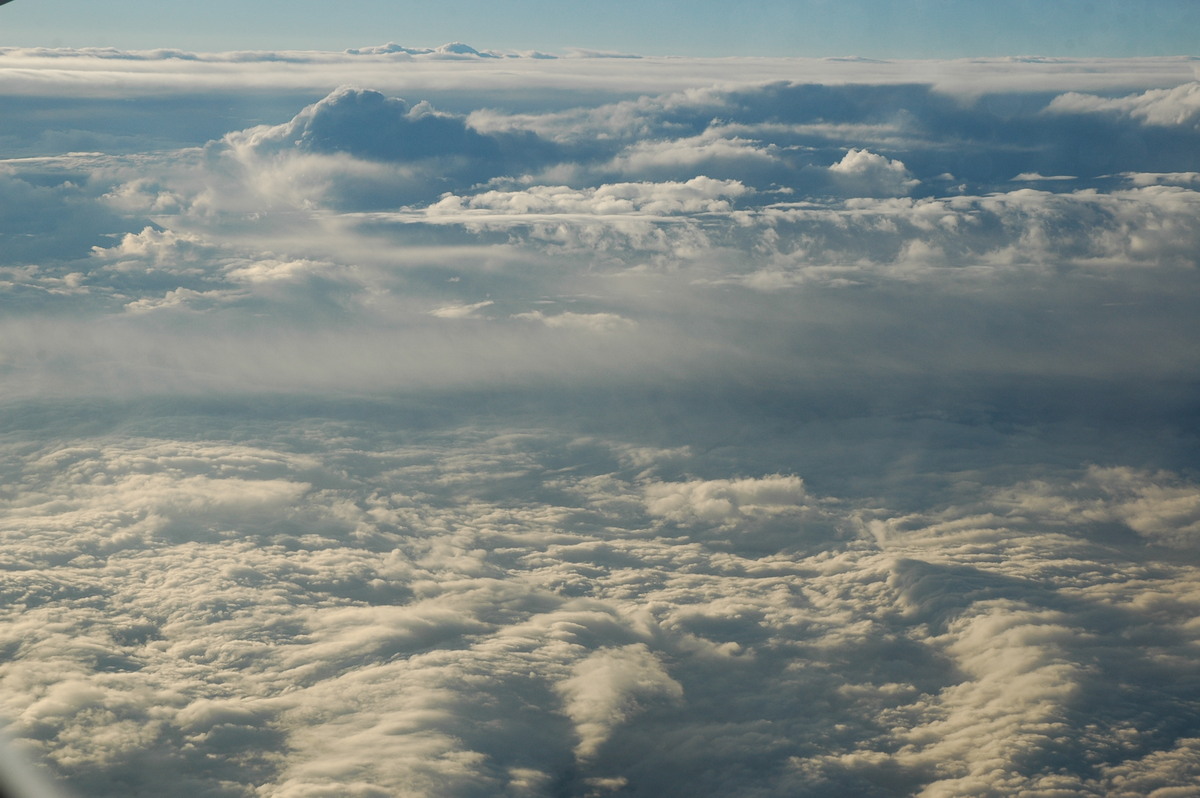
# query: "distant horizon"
{"points": [[442, 49], [908, 29]]}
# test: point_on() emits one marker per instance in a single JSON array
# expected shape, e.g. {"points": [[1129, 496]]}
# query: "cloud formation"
{"points": [[393, 638], [576, 426]]}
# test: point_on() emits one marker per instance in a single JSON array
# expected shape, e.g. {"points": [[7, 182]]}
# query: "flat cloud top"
{"points": [[92, 72]]}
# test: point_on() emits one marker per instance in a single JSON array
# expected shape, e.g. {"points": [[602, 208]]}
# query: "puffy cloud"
{"points": [[366, 124], [1024, 229], [725, 500], [153, 249], [608, 687], [865, 173], [1157, 506], [360, 148]]}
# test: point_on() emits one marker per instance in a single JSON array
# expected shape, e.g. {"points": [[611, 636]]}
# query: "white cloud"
{"points": [[867, 173], [1174, 107], [705, 155], [1163, 178], [725, 500], [107, 72], [592, 322], [1034, 177], [153, 249], [177, 298], [697, 195], [461, 311], [608, 688], [1156, 506]]}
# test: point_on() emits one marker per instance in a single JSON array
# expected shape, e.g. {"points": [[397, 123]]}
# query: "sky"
{"points": [[385, 416], [873, 28]]}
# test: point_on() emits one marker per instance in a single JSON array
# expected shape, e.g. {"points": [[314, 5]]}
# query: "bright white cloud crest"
{"points": [[591, 426]]}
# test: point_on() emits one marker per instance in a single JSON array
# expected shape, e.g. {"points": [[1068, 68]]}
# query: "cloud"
{"points": [[358, 147], [158, 71], [707, 155], [700, 194], [450, 50], [725, 500], [866, 173], [52, 221], [1168, 178], [1034, 177], [415, 614], [366, 124], [1174, 107], [153, 249], [607, 688], [589, 425], [176, 298], [568, 320], [460, 311]]}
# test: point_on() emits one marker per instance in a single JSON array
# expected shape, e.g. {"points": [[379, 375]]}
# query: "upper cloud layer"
{"points": [[1177, 107]]}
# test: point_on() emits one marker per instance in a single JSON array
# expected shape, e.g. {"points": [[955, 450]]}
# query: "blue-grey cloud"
{"points": [[369, 125], [430, 151]]}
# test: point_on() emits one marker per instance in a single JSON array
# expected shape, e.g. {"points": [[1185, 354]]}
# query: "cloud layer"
{"points": [[435, 422], [370, 617]]}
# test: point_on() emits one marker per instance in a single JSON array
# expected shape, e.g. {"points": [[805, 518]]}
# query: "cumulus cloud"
{"points": [[724, 500], [360, 148], [153, 249], [864, 173], [369, 125], [608, 687]]}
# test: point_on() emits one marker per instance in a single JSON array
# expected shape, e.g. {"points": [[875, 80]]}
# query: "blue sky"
{"points": [[876, 28]]}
